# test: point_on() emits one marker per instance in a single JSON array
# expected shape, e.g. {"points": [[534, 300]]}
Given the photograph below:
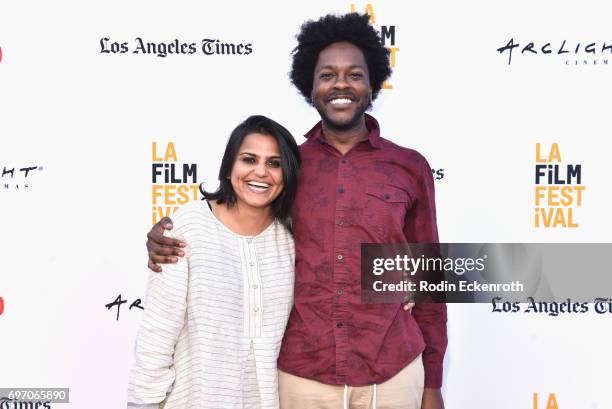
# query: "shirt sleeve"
{"points": [[152, 374], [421, 227]]}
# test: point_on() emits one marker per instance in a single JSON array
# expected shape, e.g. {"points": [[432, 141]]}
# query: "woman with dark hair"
{"points": [[289, 162], [214, 322]]}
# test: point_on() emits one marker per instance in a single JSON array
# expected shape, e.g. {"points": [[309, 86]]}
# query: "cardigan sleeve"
{"points": [[153, 374]]}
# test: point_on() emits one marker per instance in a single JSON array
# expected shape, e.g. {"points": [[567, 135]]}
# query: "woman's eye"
{"points": [[248, 160], [274, 163]]}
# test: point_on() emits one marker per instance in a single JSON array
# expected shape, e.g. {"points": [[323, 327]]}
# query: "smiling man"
{"points": [[355, 187]]}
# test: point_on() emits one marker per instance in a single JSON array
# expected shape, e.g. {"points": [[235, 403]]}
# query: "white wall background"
{"points": [[74, 239]]}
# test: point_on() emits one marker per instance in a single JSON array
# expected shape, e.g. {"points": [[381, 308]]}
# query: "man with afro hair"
{"points": [[355, 187]]}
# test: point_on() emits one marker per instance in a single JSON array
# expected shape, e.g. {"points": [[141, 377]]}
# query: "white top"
{"points": [[213, 323]]}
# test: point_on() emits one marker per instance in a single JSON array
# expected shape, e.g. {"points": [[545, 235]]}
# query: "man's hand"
{"points": [[408, 306], [432, 399], [163, 249]]}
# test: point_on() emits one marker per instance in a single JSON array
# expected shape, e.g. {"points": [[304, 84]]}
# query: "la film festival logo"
{"points": [[387, 33], [551, 402], [206, 46], [571, 53], [558, 189], [174, 183]]}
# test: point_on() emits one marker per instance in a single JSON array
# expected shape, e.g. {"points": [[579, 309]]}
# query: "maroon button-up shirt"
{"points": [[378, 192]]}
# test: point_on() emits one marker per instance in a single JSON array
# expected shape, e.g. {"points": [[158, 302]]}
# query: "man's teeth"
{"points": [[340, 101]]}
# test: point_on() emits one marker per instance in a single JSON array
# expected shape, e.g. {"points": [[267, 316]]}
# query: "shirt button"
{"points": [[387, 197], [255, 286], [344, 160], [339, 325], [340, 223], [340, 257], [256, 309], [339, 291], [251, 264], [249, 241], [340, 189]]}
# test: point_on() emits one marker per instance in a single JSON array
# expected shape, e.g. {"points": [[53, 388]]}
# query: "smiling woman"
{"points": [[214, 321], [259, 169], [257, 176]]}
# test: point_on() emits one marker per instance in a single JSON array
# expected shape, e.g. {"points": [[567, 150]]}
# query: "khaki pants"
{"points": [[403, 391]]}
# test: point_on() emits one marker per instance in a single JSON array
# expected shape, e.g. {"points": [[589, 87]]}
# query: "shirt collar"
{"points": [[374, 138]]}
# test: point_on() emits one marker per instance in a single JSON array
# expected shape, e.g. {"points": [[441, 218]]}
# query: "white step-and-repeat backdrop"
{"points": [[94, 94]]}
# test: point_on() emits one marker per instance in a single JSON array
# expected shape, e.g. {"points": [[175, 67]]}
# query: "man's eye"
{"points": [[325, 76], [274, 163], [356, 75]]}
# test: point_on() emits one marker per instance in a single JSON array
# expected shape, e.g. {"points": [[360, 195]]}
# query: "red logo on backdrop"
{"points": [[0, 54], [1, 305]]}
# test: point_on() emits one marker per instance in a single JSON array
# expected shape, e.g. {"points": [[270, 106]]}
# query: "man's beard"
{"points": [[342, 126]]}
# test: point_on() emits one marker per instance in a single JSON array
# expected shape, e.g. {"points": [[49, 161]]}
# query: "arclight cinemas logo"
{"points": [[18, 177], [566, 51]]}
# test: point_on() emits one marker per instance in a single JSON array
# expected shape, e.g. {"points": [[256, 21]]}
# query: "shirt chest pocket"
{"points": [[388, 194], [386, 207]]}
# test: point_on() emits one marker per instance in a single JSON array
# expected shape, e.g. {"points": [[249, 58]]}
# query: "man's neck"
{"points": [[344, 139]]}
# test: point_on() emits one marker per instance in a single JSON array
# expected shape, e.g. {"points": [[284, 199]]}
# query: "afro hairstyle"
{"points": [[353, 28]]}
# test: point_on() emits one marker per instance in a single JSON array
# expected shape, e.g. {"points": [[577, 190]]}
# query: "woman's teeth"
{"points": [[258, 186]]}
